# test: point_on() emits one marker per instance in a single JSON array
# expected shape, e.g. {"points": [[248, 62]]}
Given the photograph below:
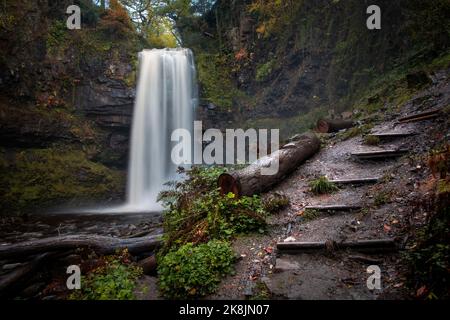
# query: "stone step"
{"points": [[392, 135], [382, 154], [334, 207], [355, 180]]}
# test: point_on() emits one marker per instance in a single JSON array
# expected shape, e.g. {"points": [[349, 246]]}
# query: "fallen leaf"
{"points": [[387, 228], [268, 249], [421, 291]]}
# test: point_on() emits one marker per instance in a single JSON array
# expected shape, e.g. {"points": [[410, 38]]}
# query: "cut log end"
{"points": [[329, 126], [227, 183], [322, 126]]}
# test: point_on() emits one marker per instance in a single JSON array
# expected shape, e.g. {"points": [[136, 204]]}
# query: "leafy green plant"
{"points": [[265, 70], [194, 271], [196, 212], [114, 279], [322, 186]]}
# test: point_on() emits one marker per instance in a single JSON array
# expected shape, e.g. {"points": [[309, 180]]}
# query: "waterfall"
{"points": [[165, 101]]}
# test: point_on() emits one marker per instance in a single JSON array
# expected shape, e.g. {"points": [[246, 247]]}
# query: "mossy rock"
{"points": [[44, 177]]}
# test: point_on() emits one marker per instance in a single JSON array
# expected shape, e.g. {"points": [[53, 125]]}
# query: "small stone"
{"points": [[11, 266], [282, 265], [290, 239]]}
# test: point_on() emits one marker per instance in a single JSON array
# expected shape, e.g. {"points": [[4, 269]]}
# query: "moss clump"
{"points": [[265, 70], [355, 131], [372, 140], [46, 176], [322, 186]]}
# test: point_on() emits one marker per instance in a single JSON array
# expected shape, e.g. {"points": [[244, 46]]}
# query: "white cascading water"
{"points": [[166, 99]]}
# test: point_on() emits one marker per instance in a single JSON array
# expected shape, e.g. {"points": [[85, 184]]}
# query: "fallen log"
{"points": [[328, 126], [11, 280], [100, 244], [251, 180], [359, 245]]}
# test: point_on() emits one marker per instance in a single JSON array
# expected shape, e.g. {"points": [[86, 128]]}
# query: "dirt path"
{"points": [[387, 213]]}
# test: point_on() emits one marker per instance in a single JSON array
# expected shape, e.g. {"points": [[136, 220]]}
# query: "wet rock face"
{"points": [[109, 103]]}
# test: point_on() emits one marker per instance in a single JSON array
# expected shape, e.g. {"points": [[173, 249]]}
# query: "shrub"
{"points": [[116, 22], [196, 212], [114, 279], [322, 186], [194, 271]]}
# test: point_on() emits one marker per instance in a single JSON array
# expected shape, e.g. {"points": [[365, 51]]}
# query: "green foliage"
{"points": [[265, 70], [57, 37], [194, 271], [214, 75], [274, 16], [114, 279], [196, 212], [355, 131], [322, 186]]}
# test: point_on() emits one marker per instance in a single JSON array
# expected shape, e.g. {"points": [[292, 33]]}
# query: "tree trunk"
{"points": [[328, 126], [100, 244], [250, 180]]}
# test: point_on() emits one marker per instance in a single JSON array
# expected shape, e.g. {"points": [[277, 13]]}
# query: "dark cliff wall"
{"points": [[66, 99], [288, 58]]}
